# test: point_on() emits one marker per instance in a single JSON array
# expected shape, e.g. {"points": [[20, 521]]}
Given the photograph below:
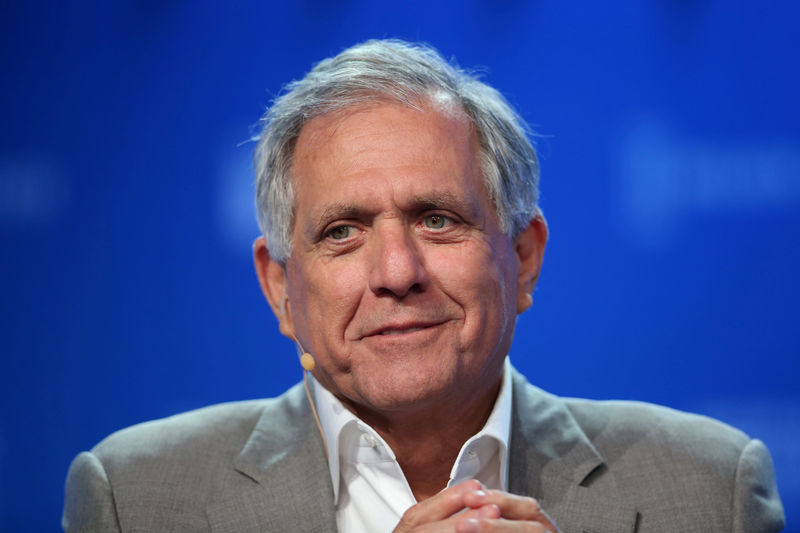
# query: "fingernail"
{"points": [[470, 525], [490, 511]]}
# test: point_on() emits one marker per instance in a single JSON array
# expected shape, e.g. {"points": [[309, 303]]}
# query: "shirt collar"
{"points": [[336, 420], [497, 429]]}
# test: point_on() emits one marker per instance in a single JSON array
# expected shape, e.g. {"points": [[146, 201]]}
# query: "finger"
{"points": [[502, 526], [512, 506], [475, 525], [455, 523], [485, 511], [437, 508]]}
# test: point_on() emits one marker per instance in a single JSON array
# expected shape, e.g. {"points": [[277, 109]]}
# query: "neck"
{"points": [[426, 443]]}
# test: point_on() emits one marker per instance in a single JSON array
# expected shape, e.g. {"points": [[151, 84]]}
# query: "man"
{"points": [[397, 198]]}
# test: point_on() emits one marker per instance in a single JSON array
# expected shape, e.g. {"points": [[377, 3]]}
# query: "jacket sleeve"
{"points": [[89, 501], [756, 505]]}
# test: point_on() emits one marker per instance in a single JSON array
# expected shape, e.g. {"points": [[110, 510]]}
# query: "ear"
{"points": [[272, 277], [530, 253]]}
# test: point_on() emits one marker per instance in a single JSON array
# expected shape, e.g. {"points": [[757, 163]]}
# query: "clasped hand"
{"points": [[469, 508]]}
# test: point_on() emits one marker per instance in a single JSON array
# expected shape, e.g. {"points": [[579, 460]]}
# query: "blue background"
{"points": [[670, 178]]}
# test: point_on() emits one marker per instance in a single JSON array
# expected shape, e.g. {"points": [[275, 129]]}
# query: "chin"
{"points": [[406, 393]]}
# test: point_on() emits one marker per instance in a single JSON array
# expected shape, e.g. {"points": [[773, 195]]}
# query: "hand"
{"points": [[479, 510]]}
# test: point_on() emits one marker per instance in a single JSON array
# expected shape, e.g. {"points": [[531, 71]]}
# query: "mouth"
{"points": [[391, 330], [401, 331]]}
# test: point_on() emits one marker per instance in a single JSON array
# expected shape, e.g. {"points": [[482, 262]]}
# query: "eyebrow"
{"points": [[442, 200], [339, 211]]}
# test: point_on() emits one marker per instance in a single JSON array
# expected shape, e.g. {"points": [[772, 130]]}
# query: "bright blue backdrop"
{"points": [[670, 179]]}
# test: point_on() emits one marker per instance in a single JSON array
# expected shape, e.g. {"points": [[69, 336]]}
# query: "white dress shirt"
{"points": [[371, 492]]}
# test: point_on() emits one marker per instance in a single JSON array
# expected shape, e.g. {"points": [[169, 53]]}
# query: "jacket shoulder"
{"points": [[624, 424], [645, 457], [221, 428], [664, 459], [161, 475]]}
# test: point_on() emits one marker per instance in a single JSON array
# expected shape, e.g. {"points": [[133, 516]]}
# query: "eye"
{"points": [[340, 232], [436, 221]]}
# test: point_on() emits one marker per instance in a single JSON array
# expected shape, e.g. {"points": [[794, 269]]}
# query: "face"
{"points": [[400, 283]]}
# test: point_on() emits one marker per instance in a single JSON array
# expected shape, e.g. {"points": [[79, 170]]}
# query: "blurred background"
{"points": [[670, 155]]}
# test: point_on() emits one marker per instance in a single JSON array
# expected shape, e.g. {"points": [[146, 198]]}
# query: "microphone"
{"points": [[307, 361]]}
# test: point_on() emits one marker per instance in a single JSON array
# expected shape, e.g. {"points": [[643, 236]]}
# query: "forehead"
{"points": [[370, 153]]}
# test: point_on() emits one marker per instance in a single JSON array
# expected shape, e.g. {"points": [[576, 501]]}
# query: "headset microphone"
{"points": [[307, 361]]}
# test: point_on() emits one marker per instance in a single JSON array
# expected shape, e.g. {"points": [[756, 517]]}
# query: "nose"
{"points": [[398, 267]]}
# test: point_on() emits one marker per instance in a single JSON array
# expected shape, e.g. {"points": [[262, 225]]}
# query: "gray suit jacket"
{"points": [[599, 467]]}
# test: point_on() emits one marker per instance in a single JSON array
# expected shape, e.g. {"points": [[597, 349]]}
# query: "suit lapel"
{"points": [[552, 460], [283, 479]]}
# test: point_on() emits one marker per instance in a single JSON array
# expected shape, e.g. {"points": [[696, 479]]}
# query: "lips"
{"points": [[400, 331], [404, 328]]}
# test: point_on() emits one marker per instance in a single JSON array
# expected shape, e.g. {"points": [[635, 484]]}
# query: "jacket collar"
{"points": [[285, 476], [552, 460]]}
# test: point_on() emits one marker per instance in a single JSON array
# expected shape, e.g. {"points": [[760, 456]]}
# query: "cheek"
{"points": [[501, 279], [480, 279], [330, 295]]}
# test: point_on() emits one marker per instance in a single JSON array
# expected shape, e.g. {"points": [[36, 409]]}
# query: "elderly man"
{"points": [[397, 198]]}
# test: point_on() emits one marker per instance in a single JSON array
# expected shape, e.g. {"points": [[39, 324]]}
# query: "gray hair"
{"points": [[393, 70]]}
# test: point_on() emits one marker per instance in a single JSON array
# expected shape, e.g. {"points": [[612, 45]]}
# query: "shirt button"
{"points": [[471, 453], [370, 440]]}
